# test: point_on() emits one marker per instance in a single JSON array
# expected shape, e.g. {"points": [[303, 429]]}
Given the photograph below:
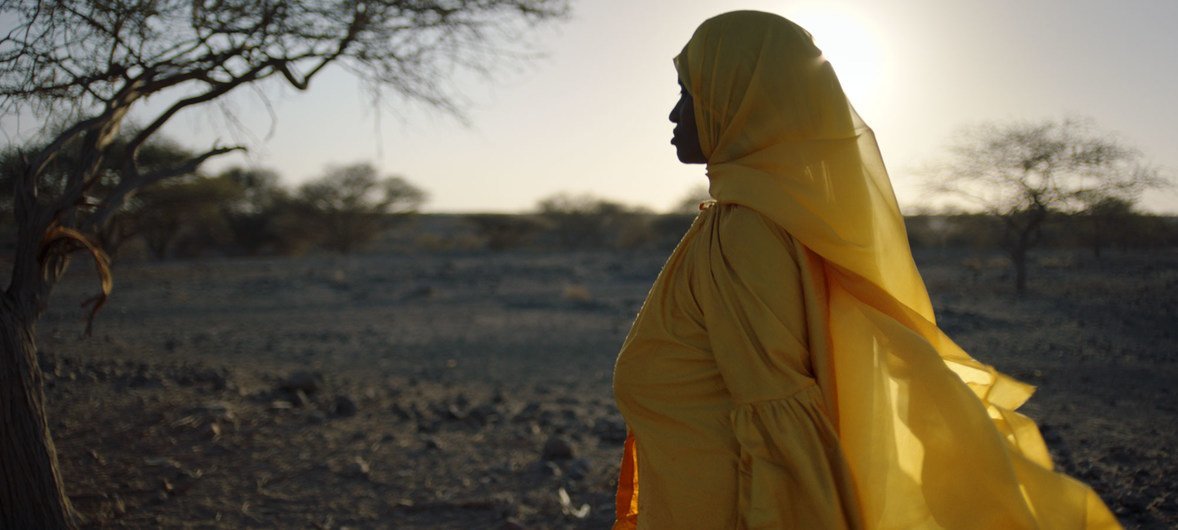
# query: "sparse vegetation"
{"points": [[90, 65], [463, 366], [588, 222], [349, 205], [1023, 173], [505, 231]]}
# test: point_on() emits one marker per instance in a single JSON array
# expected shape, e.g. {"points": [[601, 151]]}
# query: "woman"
{"points": [[786, 370]]}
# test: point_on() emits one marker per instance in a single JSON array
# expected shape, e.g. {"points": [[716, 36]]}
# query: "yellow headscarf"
{"points": [[781, 138], [930, 434]]}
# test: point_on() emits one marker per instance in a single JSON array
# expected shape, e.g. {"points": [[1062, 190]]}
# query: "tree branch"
{"points": [[217, 91], [132, 181]]}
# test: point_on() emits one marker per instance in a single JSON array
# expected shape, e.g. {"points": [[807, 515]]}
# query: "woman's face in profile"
{"points": [[685, 136]]}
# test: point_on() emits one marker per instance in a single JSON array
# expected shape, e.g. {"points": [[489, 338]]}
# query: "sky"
{"points": [[589, 113]]}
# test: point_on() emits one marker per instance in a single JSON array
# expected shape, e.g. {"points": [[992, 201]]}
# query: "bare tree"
{"points": [[351, 204], [1022, 172], [90, 64]]}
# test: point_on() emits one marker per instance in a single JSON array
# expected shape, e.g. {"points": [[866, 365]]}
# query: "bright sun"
{"points": [[850, 44]]}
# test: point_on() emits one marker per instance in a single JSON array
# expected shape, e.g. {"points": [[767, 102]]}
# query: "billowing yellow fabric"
{"points": [[786, 370]]}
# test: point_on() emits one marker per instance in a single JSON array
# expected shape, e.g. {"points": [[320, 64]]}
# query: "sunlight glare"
{"points": [[852, 46]]}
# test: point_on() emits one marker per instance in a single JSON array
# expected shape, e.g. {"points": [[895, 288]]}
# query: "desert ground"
{"points": [[472, 389]]}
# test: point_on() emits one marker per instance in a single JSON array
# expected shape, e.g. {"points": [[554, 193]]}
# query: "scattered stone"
{"points": [[577, 469], [557, 448], [483, 414], [425, 425], [551, 417], [162, 461], [570, 415], [118, 506], [455, 412], [550, 469], [220, 381], [216, 410], [530, 411], [144, 380], [300, 399], [344, 407], [400, 412], [302, 381], [610, 430], [359, 466]]}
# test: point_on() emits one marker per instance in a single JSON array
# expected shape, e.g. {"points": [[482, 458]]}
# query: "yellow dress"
{"points": [[715, 377], [786, 370]]}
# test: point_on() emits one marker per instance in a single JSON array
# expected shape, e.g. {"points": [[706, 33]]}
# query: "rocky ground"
{"points": [[472, 391]]}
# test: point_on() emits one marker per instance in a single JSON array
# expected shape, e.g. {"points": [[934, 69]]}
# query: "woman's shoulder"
{"points": [[744, 231], [737, 222]]}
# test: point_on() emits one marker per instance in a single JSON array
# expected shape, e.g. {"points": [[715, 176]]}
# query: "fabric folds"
{"points": [[786, 370], [716, 386], [817, 487]]}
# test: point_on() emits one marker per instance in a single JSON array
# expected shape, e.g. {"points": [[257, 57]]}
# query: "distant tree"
{"points": [[185, 217], [1023, 172], [586, 221], [502, 231], [1109, 220], [260, 188], [1158, 231], [88, 65], [954, 228], [668, 229], [350, 205], [266, 218], [181, 197], [929, 230]]}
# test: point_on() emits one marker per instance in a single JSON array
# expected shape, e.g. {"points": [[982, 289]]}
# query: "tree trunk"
{"points": [[32, 494], [1022, 234], [1019, 259], [1020, 275]]}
